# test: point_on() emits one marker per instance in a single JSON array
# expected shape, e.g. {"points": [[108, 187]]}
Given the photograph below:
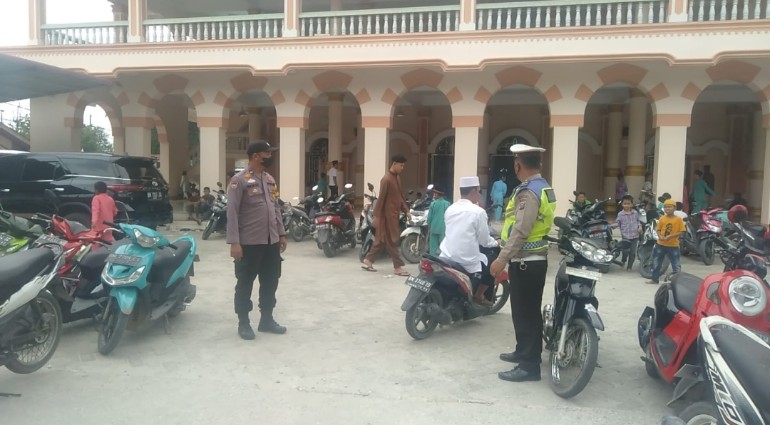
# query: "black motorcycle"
{"points": [[364, 232], [570, 323], [336, 223], [218, 219], [299, 224]]}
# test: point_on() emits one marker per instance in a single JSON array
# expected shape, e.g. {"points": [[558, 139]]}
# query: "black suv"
{"points": [[71, 176]]}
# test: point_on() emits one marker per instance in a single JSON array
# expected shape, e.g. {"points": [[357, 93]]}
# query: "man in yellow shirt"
{"points": [[670, 228]]}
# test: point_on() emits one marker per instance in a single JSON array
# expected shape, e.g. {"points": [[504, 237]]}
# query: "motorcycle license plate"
{"points": [[154, 196], [5, 239], [124, 260], [587, 274], [48, 239], [419, 284]]}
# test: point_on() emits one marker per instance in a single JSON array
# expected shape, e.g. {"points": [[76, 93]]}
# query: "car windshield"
{"points": [[138, 169]]}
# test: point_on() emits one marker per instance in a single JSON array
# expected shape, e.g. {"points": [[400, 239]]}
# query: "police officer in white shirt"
{"points": [[466, 229]]}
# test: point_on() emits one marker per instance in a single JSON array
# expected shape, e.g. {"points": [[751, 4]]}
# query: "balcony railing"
{"points": [[733, 10], [87, 33], [223, 28], [492, 16], [556, 14], [380, 21]]}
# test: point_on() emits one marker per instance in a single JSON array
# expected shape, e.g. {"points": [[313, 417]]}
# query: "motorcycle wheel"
{"points": [[365, 248], [410, 250], [581, 350], [208, 230], [645, 264], [649, 366], [113, 325], [500, 298], [329, 249], [296, 231], [700, 413], [706, 251], [48, 321], [418, 314]]}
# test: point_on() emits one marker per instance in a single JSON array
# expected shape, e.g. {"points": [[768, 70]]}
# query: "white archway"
{"points": [[596, 148], [400, 135], [511, 132], [449, 132]]}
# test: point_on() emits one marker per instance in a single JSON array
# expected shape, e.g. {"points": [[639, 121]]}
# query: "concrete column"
{"points": [[52, 126], [255, 124], [292, 178], [376, 162], [670, 157], [118, 140], [466, 155], [565, 165], [291, 11], [138, 135], [213, 154], [756, 172], [335, 135], [766, 176], [36, 21], [637, 130], [423, 140], [612, 161], [483, 155], [467, 15], [137, 13], [677, 11]]}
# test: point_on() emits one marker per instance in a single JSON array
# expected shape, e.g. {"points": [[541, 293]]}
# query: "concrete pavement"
{"points": [[346, 359]]}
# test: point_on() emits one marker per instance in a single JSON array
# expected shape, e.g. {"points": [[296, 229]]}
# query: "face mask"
{"points": [[266, 162]]}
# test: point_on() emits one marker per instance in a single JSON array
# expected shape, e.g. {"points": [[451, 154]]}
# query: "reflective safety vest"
{"points": [[546, 212]]}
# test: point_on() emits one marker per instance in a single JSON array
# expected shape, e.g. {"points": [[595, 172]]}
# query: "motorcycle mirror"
{"points": [[348, 186], [370, 186], [219, 184], [561, 223], [574, 193], [315, 188]]}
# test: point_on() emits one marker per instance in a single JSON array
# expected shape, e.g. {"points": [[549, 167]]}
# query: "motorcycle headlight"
{"points": [[747, 295], [133, 277], [144, 240], [576, 246]]}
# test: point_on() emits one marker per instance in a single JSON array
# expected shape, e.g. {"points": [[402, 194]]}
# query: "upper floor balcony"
{"points": [[166, 21]]}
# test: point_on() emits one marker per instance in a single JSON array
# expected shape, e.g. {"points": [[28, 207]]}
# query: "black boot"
{"points": [[268, 324], [244, 328]]}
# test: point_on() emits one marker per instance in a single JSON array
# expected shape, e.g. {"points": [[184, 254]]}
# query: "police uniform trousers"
{"points": [[258, 260], [527, 283]]}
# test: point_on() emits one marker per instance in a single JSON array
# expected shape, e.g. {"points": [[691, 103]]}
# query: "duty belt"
{"points": [[534, 246]]}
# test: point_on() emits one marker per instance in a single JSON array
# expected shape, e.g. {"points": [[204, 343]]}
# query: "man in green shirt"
{"points": [[436, 219]]}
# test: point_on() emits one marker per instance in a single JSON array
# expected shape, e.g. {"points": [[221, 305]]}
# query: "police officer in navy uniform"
{"points": [[528, 219], [257, 238]]}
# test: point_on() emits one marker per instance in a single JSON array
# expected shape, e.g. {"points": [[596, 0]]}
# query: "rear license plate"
{"points": [[154, 196], [5, 239], [124, 260], [419, 284], [587, 274], [48, 239]]}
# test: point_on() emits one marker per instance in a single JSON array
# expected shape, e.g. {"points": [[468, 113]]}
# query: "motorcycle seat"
{"points": [[749, 361], [167, 260], [686, 288], [18, 269]]}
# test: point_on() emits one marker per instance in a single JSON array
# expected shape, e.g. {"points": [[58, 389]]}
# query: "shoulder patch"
{"points": [[522, 204], [233, 185]]}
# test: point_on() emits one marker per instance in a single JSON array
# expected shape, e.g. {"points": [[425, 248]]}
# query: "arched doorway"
{"points": [[441, 165], [315, 160]]}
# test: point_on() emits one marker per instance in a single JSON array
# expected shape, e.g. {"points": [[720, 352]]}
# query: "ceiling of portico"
{"points": [[201, 8]]}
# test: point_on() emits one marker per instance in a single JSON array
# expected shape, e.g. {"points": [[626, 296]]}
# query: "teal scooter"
{"points": [[146, 280]]}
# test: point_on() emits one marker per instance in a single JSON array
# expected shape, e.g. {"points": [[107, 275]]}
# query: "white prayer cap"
{"points": [[522, 148], [469, 181]]}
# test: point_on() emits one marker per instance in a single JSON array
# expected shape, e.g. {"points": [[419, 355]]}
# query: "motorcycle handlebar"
{"points": [[550, 239]]}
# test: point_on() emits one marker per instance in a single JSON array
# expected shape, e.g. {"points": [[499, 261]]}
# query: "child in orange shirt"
{"points": [[670, 227], [102, 209]]}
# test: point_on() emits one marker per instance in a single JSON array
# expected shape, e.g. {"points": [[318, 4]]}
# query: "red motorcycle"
{"points": [[335, 224], [703, 228], [668, 333]]}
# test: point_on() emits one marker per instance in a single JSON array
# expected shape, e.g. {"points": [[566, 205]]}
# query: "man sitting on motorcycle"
{"points": [[466, 229]]}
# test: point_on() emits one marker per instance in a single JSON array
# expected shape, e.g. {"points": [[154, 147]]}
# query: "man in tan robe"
{"points": [[385, 218]]}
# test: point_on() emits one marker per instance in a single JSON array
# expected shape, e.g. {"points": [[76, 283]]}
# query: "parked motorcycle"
{"points": [[30, 318], [702, 229], [335, 224], [442, 294], [414, 239], [647, 242], [364, 221], [146, 280], [218, 219], [16, 233], [299, 224], [667, 332], [734, 362], [570, 323]]}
